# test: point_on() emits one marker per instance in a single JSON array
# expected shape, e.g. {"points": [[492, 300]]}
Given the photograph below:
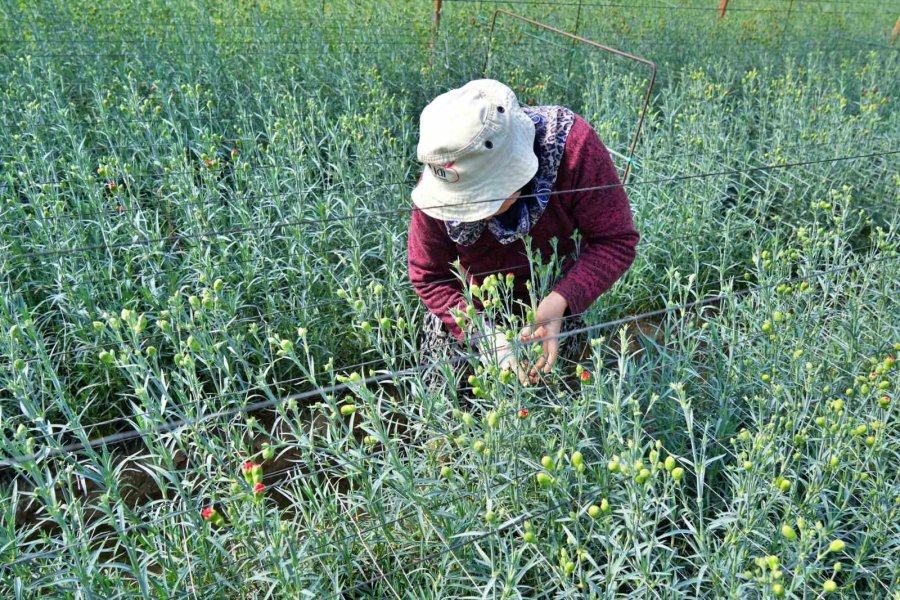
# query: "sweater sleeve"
{"points": [[431, 254], [602, 216]]}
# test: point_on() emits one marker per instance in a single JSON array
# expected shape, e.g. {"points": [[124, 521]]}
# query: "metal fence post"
{"points": [[435, 25], [723, 4], [574, 42]]}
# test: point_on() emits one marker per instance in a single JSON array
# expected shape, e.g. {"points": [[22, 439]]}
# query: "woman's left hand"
{"points": [[548, 322]]}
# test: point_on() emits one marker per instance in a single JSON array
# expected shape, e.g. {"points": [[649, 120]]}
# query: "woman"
{"points": [[495, 173]]}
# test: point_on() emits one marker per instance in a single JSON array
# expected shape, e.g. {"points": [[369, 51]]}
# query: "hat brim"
{"points": [[432, 197]]}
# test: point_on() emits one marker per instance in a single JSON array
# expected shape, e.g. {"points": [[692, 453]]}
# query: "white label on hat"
{"points": [[445, 173]]}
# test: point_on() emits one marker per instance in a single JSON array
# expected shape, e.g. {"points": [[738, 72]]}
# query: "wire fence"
{"points": [[405, 514], [323, 392], [214, 179], [304, 222], [453, 548], [666, 7], [301, 308], [413, 510]]}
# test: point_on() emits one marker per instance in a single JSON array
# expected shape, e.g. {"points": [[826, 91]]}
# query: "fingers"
{"points": [[523, 375], [538, 365], [528, 334], [551, 351], [545, 363], [522, 372]]}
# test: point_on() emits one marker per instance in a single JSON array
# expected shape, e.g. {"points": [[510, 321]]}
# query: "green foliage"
{"points": [[201, 209]]}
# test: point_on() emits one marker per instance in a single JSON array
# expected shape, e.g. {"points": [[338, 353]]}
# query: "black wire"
{"points": [[288, 311], [60, 33], [248, 391], [125, 55], [231, 170], [321, 392], [881, 46], [647, 6], [301, 222], [292, 310]]}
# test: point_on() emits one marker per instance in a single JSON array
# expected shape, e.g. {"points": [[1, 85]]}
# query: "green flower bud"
{"points": [[788, 532], [577, 459], [267, 452]]}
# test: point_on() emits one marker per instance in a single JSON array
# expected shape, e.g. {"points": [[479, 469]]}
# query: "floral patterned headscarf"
{"points": [[552, 125]]}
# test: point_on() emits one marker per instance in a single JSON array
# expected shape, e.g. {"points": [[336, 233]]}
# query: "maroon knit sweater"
{"points": [[603, 218]]}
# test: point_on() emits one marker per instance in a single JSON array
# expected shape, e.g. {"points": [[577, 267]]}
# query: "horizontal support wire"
{"points": [[83, 430], [232, 170], [303, 306], [372, 214], [321, 392], [709, 9]]}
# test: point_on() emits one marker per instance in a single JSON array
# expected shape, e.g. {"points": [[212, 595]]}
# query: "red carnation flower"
{"points": [[234, 152], [207, 513], [248, 466], [523, 413], [111, 185], [210, 163], [258, 488], [585, 375]]}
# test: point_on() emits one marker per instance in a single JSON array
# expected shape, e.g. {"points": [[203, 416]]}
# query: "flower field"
{"points": [[210, 352]]}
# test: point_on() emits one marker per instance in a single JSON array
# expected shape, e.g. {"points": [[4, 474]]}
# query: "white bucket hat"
{"points": [[478, 148]]}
